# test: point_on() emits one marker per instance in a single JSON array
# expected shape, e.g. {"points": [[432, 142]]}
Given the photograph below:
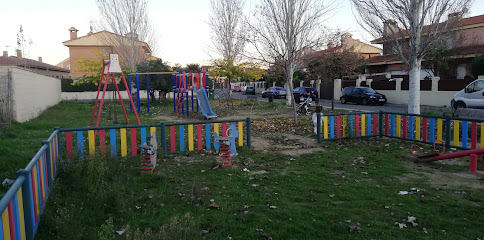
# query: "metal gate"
{"points": [[6, 108], [326, 90]]}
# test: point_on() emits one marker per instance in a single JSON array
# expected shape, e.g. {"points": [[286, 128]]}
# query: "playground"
{"points": [[285, 186], [184, 172]]}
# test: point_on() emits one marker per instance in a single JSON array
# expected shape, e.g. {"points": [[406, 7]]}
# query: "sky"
{"points": [[182, 27]]}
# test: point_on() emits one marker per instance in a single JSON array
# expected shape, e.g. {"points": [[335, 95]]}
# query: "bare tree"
{"points": [[282, 31], [228, 37], [133, 36], [412, 29]]}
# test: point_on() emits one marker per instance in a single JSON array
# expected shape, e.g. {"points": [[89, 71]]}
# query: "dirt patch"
{"points": [[286, 144], [446, 179]]}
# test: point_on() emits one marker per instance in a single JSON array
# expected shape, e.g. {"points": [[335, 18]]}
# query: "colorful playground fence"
{"points": [[24, 202], [174, 137], [460, 133]]}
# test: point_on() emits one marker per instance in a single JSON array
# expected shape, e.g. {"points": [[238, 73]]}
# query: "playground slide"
{"points": [[205, 104]]}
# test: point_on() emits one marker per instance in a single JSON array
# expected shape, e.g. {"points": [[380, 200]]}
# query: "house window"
{"points": [[461, 71]]}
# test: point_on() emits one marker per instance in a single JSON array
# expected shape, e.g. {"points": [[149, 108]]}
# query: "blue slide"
{"points": [[205, 104]]}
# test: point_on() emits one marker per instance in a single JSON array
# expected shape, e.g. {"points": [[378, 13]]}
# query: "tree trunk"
{"points": [[162, 96], [290, 97], [414, 88]]}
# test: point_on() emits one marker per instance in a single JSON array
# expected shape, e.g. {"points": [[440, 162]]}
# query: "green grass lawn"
{"points": [[320, 195], [315, 196]]}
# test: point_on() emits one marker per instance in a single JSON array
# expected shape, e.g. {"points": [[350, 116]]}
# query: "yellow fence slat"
{"points": [[417, 128], [152, 130], [215, 129], [482, 134], [363, 124], [241, 134], [190, 137], [325, 122], [399, 125], [345, 124], [21, 213], [92, 142], [456, 133], [6, 224], [124, 146], [439, 129]]}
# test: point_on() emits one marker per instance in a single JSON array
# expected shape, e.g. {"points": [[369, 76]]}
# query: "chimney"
{"points": [[454, 18], [347, 40], [389, 27], [73, 32], [40, 59], [330, 45], [5, 53], [19, 54]]}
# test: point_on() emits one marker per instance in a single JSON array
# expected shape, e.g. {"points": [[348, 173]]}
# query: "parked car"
{"points": [[471, 96], [278, 92], [249, 90], [236, 88], [362, 95], [305, 92]]}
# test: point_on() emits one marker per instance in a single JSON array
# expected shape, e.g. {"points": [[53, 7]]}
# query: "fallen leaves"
{"points": [[213, 205]]}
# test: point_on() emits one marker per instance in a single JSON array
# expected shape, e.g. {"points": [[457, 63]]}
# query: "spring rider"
{"points": [[226, 145]]}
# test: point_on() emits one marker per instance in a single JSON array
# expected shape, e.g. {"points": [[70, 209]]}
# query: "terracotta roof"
{"points": [[464, 22], [29, 63], [456, 52], [467, 50]]}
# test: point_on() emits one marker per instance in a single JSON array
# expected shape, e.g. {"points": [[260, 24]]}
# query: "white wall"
{"points": [[427, 98], [32, 93], [91, 96]]}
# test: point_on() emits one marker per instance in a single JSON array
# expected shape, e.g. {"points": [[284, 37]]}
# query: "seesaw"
{"points": [[436, 155]]}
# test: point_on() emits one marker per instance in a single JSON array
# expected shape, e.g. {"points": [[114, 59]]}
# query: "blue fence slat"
{"points": [[80, 144], [464, 134], [143, 136], [1, 229], [351, 124], [208, 144], [368, 125], [331, 126], [392, 125], [112, 141], [181, 132], [16, 215], [410, 127], [432, 130]]}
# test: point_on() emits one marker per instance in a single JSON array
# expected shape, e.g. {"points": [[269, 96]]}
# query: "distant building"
{"points": [[33, 65], [468, 41], [94, 45], [355, 45]]}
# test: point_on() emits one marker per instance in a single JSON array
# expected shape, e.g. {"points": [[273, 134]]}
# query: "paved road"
{"points": [[350, 106]]}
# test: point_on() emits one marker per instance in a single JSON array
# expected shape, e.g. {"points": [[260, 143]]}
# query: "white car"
{"points": [[471, 96]]}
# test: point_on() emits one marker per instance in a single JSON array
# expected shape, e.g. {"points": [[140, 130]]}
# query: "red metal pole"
{"points": [[102, 101], [121, 100], [130, 99], [473, 164], [479, 151], [97, 97]]}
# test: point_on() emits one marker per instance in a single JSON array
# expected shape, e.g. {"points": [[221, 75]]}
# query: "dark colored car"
{"points": [[362, 95], [304, 93], [250, 90], [278, 92]]}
